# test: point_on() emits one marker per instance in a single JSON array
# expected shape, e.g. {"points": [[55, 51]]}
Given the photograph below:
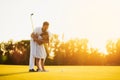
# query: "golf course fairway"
{"points": [[20, 72]]}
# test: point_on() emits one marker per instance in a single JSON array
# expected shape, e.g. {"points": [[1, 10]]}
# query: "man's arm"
{"points": [[38, 40], [32, 34], [35, 38], [44, 41]]}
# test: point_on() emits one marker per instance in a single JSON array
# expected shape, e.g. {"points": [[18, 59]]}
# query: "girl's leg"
{"points": [[38, 64], [42, 64]]}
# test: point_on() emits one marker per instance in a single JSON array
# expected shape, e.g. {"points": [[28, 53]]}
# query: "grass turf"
{"points": [[13, 72]]}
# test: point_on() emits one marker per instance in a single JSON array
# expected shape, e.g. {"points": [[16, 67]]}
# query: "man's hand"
{"points": [[35, 38]]}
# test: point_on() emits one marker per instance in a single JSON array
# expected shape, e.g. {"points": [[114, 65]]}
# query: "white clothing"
{"points": [[36, 50]]}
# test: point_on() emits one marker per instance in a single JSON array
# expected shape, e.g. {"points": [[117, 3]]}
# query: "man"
{"points": [[37, 50]]}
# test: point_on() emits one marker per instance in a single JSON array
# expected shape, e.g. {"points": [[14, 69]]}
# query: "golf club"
{"points": [[32, 21]]}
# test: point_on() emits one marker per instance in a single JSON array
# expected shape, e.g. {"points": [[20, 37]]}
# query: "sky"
{"points": [[97, 20]]}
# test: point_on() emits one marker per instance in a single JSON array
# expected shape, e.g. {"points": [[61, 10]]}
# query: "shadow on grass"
{"points": [[17, 73]]}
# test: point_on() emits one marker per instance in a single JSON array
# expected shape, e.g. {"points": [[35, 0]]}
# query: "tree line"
{"points": [[59, 52]]}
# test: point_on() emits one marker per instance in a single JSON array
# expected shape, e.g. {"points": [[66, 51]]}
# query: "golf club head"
{"points": [[31, 14]]}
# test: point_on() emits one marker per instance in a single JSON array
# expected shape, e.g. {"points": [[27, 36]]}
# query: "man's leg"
{"points": [[32, 58], [31, 63]]}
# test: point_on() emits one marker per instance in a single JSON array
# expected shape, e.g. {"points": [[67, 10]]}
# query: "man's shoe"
{"points": [[32, 70]]}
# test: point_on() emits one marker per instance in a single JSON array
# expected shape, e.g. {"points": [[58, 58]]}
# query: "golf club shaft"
{"points": [[32, 22]]}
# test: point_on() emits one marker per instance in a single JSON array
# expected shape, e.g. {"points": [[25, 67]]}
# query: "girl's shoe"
{"points": [[39, 70], [45, 71]]}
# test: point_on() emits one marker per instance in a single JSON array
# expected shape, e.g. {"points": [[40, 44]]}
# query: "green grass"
{"points": [[13, 72]]}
